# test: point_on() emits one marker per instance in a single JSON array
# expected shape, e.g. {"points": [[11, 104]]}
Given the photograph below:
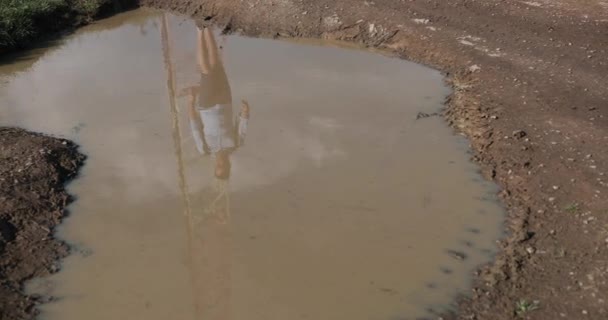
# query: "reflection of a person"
{"points": [[213, 126], [215, 131]]}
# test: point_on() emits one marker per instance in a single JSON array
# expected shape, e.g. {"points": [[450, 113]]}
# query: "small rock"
{"points": [[421, 21], [519, 134], [551, 199], [474, 68], [530, 250], [332, 22], [371, 28]]}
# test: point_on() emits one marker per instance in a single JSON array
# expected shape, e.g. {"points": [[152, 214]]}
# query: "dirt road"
{"points": [[530, 92]]}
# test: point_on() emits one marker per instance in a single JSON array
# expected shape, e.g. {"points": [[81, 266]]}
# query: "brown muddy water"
{"points": [[338, 204]]}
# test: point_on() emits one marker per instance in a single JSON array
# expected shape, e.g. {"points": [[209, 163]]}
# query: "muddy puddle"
{"points": [[237, 178]]}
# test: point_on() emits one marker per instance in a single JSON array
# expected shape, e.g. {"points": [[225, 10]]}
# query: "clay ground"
{"points": [[530, 91]]}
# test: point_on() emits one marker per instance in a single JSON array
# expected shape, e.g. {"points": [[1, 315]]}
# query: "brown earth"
{"points": [[33, 171], [530, 92]]}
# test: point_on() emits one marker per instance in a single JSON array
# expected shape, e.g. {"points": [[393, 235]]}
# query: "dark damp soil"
{"points": [[530, 93], [33, 171]]}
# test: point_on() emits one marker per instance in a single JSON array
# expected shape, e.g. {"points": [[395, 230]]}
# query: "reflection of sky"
{"points": [[289, 149], [118, 96], [272, 156], [334, 162]]}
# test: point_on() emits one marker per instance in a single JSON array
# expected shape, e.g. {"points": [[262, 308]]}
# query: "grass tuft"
{"points": [[572, 208], [524, 306]]}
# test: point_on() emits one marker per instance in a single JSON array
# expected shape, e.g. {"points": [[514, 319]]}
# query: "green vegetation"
{"points": [[572, 208], [23, 21], [523, 306]]}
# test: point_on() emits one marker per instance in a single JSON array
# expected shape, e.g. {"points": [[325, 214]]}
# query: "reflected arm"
{"points": [[241, 123], [196, 125]]}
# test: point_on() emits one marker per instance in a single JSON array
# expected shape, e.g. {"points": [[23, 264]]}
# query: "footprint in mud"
{"points": [[468, 243], [488, 252], [426, 201], [446, 270], [42, 299], [431, 285], [473, 230], [389, 291], [76, 129], [82, 251], [433, 311], [458, 255], [423, 115]]}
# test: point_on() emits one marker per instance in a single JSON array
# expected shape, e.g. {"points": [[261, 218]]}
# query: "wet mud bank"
{"points": [[529, 92], [33, 171]]}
